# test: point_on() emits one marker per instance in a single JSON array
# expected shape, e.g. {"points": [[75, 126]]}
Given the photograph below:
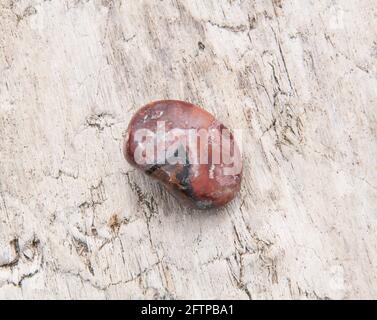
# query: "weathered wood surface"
{"points": [[300, 77]]}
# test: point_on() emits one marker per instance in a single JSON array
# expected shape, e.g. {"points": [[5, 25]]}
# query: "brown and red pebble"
{"points": [[175, 162]]}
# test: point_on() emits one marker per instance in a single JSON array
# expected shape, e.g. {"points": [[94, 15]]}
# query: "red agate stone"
{"points": [[188, 150]]}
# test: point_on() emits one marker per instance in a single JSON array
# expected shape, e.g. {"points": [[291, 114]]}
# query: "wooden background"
{"points": [[298, 76]]}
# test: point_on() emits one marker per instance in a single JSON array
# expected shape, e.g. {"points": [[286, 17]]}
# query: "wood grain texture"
{"points": [[298, 76]]}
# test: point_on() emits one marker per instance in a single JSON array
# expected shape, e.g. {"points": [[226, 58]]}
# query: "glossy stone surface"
{"points": [[178, 164]]}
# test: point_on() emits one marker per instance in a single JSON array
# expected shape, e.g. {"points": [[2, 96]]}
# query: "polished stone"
{"points": [[188, 150]]}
